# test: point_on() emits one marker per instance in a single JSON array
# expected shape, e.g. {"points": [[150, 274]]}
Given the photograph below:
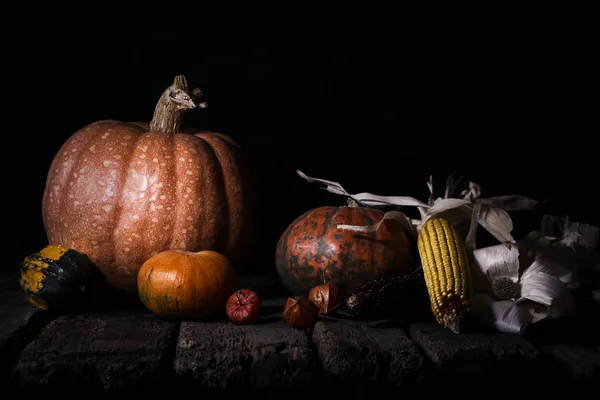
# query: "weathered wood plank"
{"points": [[20, 322], [97, 351], [15, 315], [478, 358], [268, 354], [354, 351], [571, 344], [579, 363]]}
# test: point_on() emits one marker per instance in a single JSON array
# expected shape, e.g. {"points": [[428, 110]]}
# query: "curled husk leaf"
{"points": [[520, 291], [300, 312], [327, 297], [468, 210]]}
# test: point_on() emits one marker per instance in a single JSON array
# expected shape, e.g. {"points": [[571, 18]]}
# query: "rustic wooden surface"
{"points": [[356, 351], [114, 350], [269, 354]]}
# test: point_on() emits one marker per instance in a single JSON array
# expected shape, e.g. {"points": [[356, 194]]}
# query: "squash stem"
{"points": [[172, 105], [351, 202]]}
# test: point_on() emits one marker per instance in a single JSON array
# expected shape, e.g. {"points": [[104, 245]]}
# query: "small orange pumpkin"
{"points": [[185, 284]]}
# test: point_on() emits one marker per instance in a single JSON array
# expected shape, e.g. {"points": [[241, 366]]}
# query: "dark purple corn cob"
{"points": [[400, 297]]}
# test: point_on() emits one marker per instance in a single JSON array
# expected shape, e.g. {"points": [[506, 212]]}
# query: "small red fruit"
{"points": [[243, 307]]}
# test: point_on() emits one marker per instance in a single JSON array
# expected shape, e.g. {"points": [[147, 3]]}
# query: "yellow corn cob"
{"points": [[446, 270]]}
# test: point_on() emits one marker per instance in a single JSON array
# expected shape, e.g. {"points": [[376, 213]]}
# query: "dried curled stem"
{"points": [[172, 105]]}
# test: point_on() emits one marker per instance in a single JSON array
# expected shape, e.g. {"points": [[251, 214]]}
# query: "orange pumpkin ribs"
{"points": [[121, 192]]}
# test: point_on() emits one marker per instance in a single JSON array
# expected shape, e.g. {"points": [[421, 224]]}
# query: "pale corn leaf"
{"points": [[459, 217], [367, 199], [558, 257], [423, 213], [451, 185], [497, 222], [496, 261], [563, 268], [493, 219], [504, 316], [509, 317], [536, 311], [431, 199], [449, 209], [552, 226], [406, 222], [360, 228], [471, 240], [448, 191], [533, 236], [585, 235], [511, 202], [473, 192], [417, 223], [331, 186], [442, 205], [547, 290], [534, 242], [374, 200]]}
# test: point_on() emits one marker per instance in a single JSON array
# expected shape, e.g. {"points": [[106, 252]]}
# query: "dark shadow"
{"points": [[267, 320], [108, 300], [219, 317], [266, 310]]}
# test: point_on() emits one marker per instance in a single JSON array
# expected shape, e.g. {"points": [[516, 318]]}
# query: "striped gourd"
{"points": [[446, 269]]}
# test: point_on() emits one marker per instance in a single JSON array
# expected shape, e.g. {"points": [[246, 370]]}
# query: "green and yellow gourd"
{"points": [[57, 277]]}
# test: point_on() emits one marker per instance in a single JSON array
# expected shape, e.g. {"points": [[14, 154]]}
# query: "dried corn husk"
{"points": [[491, 213], [543, 267], [535, 288], [570, 247], [501, 315]]}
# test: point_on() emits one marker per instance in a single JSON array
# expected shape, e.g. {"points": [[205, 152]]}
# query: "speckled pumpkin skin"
{"points": [[121, 194], [313, 245]]}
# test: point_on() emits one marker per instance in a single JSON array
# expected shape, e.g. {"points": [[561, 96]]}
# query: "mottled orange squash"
{"points": [[313, 247]]}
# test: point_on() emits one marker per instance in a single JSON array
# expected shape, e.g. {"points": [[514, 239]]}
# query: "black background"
{"points": [[377, 97]]}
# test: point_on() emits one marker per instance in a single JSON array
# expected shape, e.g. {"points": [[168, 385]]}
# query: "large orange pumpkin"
{"points": [[121, 192], [312, 247]]}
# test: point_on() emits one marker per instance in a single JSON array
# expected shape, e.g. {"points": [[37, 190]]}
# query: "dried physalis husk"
{"points": [[300, 312], [327, 297]]}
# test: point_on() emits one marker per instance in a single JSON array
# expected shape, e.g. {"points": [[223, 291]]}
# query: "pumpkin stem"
{"points": [[173, 104]]}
